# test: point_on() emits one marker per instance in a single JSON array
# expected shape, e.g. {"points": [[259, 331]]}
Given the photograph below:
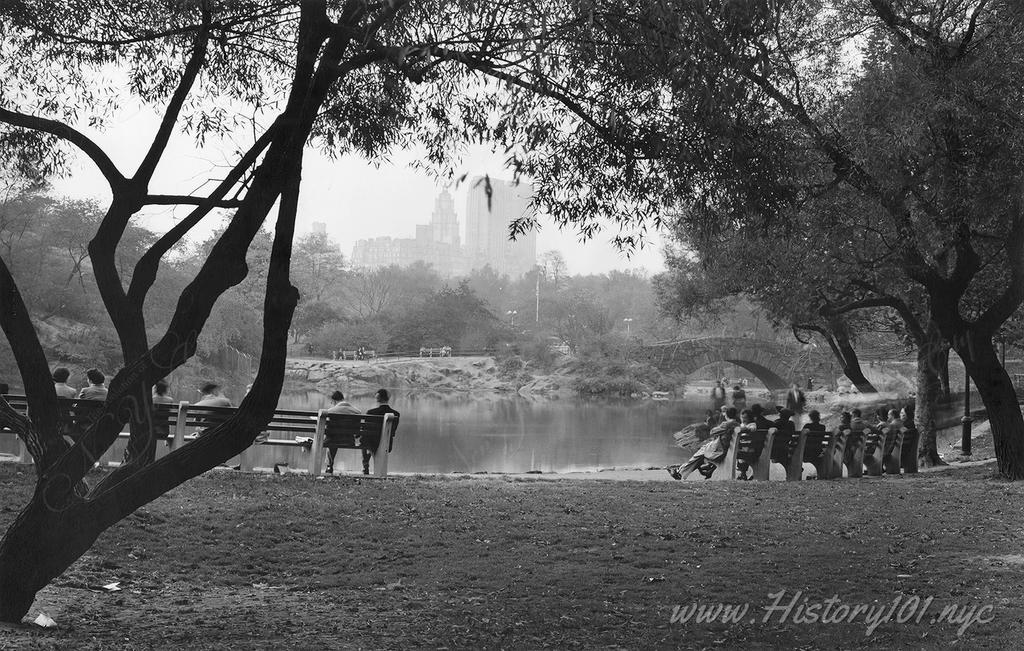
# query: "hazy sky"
{"points": [[356, 199]]}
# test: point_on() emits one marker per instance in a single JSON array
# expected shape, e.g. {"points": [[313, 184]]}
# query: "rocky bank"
{"points": [[437, 374]]}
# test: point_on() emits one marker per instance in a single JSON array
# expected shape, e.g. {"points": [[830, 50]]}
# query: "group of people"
{"points": [[342, 406], [892, 419], [95, 390], [796, 401], [723, 426], [729, 422], [212, 395]]}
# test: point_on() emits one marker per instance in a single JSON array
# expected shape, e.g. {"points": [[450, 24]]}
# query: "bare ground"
{"points": [[257, 561]]}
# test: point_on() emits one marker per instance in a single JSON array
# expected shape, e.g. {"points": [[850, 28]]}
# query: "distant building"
{"points": [[320, 228], [487, 227], [439, 244], [436, 244]]}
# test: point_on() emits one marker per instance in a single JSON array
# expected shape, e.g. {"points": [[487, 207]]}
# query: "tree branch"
{"points": [[43, 434], [189, 200], [68, 133], [195, 63], [146, 268]]}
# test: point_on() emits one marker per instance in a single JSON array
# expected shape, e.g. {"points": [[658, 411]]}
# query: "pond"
{"points": [[463, 433]]}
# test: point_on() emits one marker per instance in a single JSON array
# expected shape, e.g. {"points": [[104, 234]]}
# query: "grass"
{"points": [[257, 561]]}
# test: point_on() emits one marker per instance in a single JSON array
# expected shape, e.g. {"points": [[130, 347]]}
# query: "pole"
{"points": [[965, 436], [538, 296]]}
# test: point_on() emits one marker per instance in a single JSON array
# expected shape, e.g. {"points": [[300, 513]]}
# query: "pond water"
{"points": [[462, 433]]}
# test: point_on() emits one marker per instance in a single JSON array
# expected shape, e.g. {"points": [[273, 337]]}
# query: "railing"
{"points": [[183, 422]]}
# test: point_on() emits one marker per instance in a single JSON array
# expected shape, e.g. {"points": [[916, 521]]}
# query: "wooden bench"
{"points": [[883, 453], [892, 455], [874, 448], [854, 443], [726, 470], [774, 448], [750, 440], [910, 450], [183, 422], [818, 448]]}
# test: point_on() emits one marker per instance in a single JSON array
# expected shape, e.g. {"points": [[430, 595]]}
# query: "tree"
{"points": [[452, 316], [346, 76], [741, 112], [318, 266]]}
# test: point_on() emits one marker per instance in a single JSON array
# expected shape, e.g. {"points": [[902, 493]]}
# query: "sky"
{"points": [[354, 197]]}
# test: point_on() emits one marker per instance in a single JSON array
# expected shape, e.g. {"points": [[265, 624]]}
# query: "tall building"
{"points": [[436, 243], [439, 244], [487, 227], [320, 228]]}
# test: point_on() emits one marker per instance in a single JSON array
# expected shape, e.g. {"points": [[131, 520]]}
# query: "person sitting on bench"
{"points": [[340, 406], [382, 408], [814, 424], [750, 450], [707, 458], [785, 434]]}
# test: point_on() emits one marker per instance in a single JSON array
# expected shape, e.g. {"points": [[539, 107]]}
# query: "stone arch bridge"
{"points": [[775, 364]]}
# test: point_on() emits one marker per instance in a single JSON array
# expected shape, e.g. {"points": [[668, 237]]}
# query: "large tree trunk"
{"points": [[1000, 400], [930, 361], [847, 356], [942, 364]]}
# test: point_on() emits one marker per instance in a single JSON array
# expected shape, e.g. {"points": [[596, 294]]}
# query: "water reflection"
{"points": [[462, 433]]}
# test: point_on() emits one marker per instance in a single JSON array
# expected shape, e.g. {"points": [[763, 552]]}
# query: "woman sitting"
{"points": [[707, 458]]}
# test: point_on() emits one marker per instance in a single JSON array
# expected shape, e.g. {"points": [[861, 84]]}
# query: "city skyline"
{"points": [[491, 206], [355, 198]]}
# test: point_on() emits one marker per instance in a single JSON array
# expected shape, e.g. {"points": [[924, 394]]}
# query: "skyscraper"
{"points": [[436, 243], [487, 227]]}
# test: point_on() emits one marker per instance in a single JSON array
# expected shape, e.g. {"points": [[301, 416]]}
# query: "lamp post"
{"points": [[966, 420], [537, 313], [627, 321], [512, 317]]}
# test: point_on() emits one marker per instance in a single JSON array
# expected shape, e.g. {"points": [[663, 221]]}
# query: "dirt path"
{"points": [[261, 561]]}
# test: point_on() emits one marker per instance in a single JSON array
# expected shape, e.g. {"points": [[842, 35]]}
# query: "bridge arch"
{"points": [[771, 362]]}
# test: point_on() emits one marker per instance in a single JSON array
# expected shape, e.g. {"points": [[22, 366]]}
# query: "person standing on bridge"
{"points": [[796, 402], [739, 398], [717, 396]]}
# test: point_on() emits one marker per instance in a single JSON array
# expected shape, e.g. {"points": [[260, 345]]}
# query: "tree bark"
{"points": [[932, 357], [942, 364], [1000, 400], [839, 341], [59, 525]]}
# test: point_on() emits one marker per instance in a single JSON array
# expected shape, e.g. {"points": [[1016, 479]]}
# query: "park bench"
{"points": [[444, 351], [726, 470], [312, 431], [774, 449], [818, 448], [910, 449], [854, 441], [749, 440], [874, 448]]}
